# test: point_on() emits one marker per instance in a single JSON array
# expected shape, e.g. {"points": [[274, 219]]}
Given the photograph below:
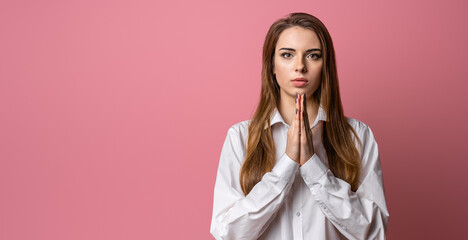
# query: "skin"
{"points": [[288, 65]]}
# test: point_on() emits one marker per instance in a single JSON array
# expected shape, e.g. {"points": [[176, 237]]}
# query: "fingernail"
{"points": [[296, 110], [295, 100]]}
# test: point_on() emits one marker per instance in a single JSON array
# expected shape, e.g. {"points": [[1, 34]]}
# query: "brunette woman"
{"points": [[299, 169]]}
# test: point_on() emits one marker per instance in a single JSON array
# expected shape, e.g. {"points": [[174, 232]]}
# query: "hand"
{"points": [[307, 138], [294, 135], [299, 146]]}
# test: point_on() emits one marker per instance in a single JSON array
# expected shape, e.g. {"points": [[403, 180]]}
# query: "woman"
{"points": [[299, 169]]}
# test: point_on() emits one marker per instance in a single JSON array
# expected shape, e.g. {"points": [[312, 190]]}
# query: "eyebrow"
{"points": [[308, 50]]}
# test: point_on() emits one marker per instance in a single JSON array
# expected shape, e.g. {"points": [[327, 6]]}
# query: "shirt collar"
{"points": [[276, 117]]}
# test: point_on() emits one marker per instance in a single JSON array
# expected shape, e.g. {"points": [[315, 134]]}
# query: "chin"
{"points": [[302, 91]]}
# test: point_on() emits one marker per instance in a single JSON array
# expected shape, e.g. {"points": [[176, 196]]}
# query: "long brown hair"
{"points": [[343, 156]]}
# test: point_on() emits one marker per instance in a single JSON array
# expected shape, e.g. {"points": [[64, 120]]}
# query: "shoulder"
{"points": [[357, 125], [234, 147], [366, 136], [363, 130], [238, 133], [240, 128]]}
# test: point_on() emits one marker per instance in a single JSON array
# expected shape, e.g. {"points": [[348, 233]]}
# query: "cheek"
{"points": [[281, 68], [316, 70]]}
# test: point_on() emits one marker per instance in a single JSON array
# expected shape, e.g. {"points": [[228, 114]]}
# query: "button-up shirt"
{"points": [[299, 202]]}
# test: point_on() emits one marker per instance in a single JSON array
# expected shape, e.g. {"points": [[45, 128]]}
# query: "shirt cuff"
{"points": [[285, 167], [313, 170]]}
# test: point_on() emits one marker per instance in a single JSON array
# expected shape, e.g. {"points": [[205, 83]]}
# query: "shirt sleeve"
{"points": [[236, 216], [357, 215]]}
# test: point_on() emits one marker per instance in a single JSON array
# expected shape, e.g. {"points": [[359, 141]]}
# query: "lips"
{"points": [[299, 82]]}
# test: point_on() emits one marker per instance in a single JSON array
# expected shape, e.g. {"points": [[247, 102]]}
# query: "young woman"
{"points": [[299, 169]]}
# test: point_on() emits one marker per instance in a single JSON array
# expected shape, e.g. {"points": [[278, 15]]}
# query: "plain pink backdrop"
{"points": [[113, 113]]}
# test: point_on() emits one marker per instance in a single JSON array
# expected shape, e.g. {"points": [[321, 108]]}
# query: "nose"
{"points": [[300, 67]]}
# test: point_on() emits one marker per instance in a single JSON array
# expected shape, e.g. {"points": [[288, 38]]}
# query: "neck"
{"points": [[287, 108]]}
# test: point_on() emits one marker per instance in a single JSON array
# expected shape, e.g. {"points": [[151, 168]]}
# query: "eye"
{"points": [[286, 55], [314, 56]]}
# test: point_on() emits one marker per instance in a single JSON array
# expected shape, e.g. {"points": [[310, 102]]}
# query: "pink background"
{"points": [[113, 113]]}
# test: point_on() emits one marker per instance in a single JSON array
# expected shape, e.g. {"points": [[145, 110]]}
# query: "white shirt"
{"points": [[298, 202]]}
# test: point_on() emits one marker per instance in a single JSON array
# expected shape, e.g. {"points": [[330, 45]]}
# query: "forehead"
{"points": [[298, 38]]}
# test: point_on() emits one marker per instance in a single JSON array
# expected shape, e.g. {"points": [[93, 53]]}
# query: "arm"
{"points": [[357, 215], [236, 216]]}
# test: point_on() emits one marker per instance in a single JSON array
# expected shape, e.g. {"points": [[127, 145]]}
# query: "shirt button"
{"points": [[298, 214]]}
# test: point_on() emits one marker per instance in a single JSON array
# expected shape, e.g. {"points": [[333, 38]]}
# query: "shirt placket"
{"points": [[297, 207]]}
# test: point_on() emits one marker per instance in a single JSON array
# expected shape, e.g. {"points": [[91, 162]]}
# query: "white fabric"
{"points": [[298, 202]]}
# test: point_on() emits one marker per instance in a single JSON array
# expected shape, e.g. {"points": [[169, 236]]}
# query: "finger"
{"points": [[298, 125], [305, 103], [297, 103], [308, 131], [302, 122], [302, 107], [299, 115], [295, 124], [297, 106], [306, 115]]}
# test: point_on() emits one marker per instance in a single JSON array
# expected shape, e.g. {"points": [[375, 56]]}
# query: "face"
{"points": [[298, 62]]}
